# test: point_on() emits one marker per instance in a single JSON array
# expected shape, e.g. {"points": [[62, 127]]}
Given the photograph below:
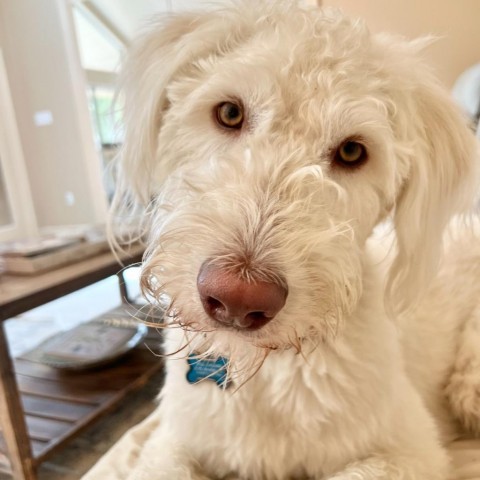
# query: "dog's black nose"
{"points": [[235, 302]]}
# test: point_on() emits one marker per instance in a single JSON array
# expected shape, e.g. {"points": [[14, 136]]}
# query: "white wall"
{"points": [[45, 75], [457, 22]]}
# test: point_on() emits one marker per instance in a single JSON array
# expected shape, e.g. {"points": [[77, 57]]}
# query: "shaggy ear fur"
{"points": [[442, 176], [153, 62], [166, 51]]}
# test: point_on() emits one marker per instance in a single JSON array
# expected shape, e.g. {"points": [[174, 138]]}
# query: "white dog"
{"points": [[268, 141]]}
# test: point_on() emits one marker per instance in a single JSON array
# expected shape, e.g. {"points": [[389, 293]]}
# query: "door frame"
{"points": [[13, 167]]}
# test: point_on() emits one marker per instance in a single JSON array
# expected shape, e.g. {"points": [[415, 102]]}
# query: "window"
{"points": [[99, 49], [100, 55]]}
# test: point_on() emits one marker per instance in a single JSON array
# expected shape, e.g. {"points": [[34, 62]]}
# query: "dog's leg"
{"points": [[164, 459], [392, 468], [406, 450], [463, 389]]}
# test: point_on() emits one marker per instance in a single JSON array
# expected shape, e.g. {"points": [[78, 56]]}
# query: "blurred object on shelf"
{"points": [[54, 248], [98, 342]]}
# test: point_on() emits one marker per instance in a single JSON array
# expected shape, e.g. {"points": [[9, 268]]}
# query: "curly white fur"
{"points": [[333, 387]]}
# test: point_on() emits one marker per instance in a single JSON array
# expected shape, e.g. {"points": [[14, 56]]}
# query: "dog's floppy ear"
{"points": [[442, 173], [153, 61], [167, 50], [150, 65]]}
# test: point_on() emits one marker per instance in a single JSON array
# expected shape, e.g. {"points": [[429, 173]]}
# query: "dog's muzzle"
{"points": [[235, 302]]}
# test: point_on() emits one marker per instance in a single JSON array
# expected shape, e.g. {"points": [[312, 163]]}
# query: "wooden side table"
{"points": [[42, 408]]}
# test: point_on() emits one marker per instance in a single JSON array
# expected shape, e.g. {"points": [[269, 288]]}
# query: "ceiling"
{"points": [[127, 16], [105, 28]]}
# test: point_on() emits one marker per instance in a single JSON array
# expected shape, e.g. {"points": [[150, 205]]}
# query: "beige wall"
{"points": [[35, 42], [458, 22]]}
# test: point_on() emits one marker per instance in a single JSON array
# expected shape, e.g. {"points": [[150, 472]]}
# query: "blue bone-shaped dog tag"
{"points": [[207, 368]]}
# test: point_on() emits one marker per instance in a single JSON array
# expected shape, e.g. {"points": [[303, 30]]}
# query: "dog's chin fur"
{"points": [[352, 379]]}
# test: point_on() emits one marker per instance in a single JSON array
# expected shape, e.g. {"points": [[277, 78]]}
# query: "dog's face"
{"points": [[269, 141]]}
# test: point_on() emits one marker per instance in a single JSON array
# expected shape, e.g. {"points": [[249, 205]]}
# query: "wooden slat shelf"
{"points": [[45, 407], [40, 407], [58, 404]]}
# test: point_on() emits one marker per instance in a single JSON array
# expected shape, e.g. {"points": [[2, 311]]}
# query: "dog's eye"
{"points": [[350, 153], [229, 115]]}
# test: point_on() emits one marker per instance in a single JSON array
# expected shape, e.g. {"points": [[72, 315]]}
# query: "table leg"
{"points": [[122, 284], [12, 419]]}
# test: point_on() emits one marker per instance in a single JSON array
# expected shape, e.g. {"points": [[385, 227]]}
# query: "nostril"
{"points": [[258, 316], [213, 304], [255, 320], [215, 308]]}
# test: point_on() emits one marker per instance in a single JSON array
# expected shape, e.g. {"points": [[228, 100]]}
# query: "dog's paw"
{"points": [[396, 468], [371, 469], [180, 473], [463, 388], [463, 393], [162, 468]]}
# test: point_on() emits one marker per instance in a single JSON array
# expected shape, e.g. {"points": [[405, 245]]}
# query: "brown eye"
{"points": [[229, 115], [350, 153]]}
